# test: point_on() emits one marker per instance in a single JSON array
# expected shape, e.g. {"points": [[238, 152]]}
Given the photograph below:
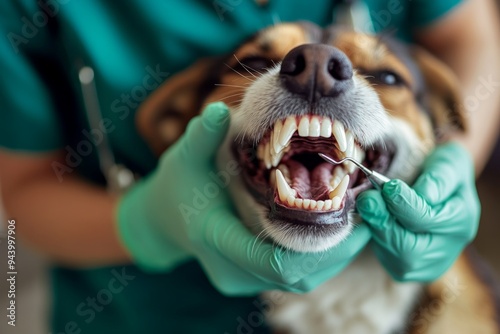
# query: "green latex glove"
{"points": [[419, 233], [159, 234]]}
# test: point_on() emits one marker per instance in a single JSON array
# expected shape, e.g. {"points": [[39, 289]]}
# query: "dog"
{"points": [[295, 90]]}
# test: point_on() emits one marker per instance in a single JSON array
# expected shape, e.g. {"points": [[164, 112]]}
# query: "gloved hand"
{"points": [[418, 233], [165, 220]]}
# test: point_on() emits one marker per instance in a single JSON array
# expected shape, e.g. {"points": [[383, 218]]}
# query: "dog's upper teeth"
{"points": [[338, 131], [304, 127], [326, 128], [284, 190], [276, 146], [287, 131], [314, 127], [341, 189]]}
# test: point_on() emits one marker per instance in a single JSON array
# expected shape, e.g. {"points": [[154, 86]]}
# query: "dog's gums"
{"points": [[284, 172]]}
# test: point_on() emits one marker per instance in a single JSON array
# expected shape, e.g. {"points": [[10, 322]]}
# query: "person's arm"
{"points": [[468, 40], [72, 222]]}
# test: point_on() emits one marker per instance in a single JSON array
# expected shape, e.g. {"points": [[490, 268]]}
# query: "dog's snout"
{"points": [[316, 70]]}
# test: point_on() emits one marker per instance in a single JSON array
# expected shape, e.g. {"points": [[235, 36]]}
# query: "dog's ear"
{"points": [[443, 95], [163, 116]]}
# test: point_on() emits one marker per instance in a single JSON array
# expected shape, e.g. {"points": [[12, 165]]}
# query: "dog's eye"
{"points": [[254, 64], [388, 78]]}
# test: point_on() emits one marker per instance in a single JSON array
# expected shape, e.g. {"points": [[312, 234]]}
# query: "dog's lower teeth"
{"points": [[288, 195], [341, 188], [284, 189]]}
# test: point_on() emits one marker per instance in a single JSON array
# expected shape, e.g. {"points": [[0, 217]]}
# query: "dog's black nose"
{"points": [[316, 70]]}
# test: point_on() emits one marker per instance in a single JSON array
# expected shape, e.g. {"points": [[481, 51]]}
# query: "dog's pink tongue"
{"points": [[310, 185]]}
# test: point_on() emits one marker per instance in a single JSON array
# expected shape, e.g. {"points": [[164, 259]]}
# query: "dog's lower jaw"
{"points": [[361, 299]]}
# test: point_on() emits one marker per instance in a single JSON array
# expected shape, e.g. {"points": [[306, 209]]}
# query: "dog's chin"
{"points": [[308, 238]]}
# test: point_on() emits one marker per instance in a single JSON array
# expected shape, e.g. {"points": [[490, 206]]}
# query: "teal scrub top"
{"points": [[133, 46]]}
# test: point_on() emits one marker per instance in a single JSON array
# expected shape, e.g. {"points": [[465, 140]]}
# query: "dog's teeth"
{"points": [[306, 203], [336, 202], [326, 128], [277, 147], [314, 127], [349, 144], [341, 188], [287, 131], [313, 205], [338, 131], [284, 190], [350, 167], [290, 200], [267, 156], [320, 205], [276, 158], [298, 202], [304, 127], [328, 205], [359, 154], [285, 171], [338, 174]]}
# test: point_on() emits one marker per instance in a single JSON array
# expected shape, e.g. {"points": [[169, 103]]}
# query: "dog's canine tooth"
{"points": [[341, 188], [304, 127], [290, 200], [338, 131], [284, 190], [326, 128], [277, 147], [314, 127], [288, 130], [286, 172]]}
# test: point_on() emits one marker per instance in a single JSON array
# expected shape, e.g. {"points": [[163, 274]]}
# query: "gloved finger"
{"points": [[414, 213], [386, 231], [205, 133], [372, 208], [445, 170], [224, 232], [229, 279]]}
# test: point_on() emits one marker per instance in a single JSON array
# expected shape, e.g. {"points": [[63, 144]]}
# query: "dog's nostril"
{"points": [[293, 66], [338, 70], [314, 71]]}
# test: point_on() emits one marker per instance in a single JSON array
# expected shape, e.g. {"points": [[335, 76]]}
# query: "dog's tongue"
{"points": [[313, 184]]}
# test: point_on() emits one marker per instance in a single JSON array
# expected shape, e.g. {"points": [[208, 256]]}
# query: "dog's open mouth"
{"points": [[284, 172]]}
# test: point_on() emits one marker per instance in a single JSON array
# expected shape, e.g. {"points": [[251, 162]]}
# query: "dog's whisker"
{"points": [[246, 67], [255, 241], [235, 86], [243, 76]]}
